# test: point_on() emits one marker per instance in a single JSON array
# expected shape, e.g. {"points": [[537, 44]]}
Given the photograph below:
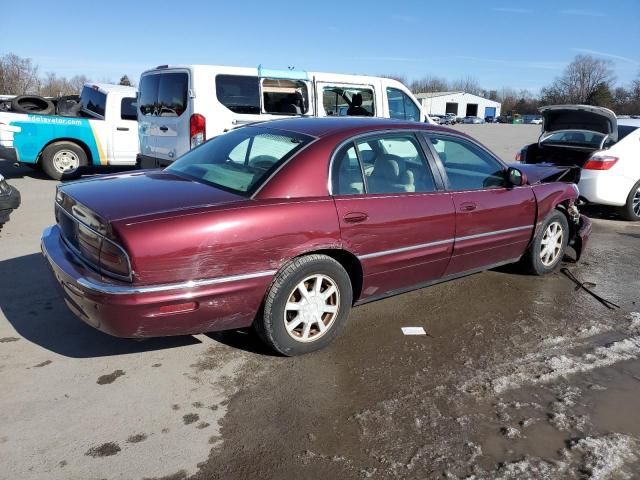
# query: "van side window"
{"points": [[239, 93], [285, 97], [128, 109], [401, 106], [348, 101]]}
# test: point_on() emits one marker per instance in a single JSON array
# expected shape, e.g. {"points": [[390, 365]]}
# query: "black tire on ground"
{"points": [[631, 210], [532, 260], [62, 149], [32, 104], [270, 325]]}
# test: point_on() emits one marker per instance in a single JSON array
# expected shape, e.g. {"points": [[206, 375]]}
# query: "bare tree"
{"points": [[583, 80], [18, 76], [467, 84], [429, 84], [76, 83], [53, 86]]}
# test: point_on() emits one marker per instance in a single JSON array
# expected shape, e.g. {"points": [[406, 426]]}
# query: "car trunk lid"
{"points": [[139, 194], [584, 118]]}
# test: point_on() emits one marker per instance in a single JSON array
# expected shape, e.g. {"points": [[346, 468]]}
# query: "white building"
{"points": [[461, 104]]}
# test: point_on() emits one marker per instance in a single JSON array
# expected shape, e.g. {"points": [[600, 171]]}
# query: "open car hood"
{"points": [[579, 117]]}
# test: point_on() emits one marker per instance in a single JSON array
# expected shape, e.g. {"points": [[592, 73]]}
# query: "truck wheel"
{"points": [[32, 104], [63, 160], [548, 247], [306, 306], [631, 210]]}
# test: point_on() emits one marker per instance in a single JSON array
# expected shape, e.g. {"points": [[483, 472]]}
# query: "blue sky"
{"points": [[519, 44]]}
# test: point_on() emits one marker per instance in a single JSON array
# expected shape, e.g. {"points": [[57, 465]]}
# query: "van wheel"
{"points": [[306, 307], [63, 160], [549, 245], [631, 210]]}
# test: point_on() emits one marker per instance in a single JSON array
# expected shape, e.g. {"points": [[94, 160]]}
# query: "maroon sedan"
{"points": [[286, 225]]}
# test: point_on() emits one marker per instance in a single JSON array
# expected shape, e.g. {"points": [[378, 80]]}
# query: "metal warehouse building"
{"points": [[459, 103]]}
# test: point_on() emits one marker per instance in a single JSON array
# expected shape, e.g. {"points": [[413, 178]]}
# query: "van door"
{"points": [[346, 100], [165, 116], [124, 134]]}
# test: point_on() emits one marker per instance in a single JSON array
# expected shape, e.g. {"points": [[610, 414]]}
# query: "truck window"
{"points": [[401, 106], [240, 94], [288, 97], [128, 109], [348, 101], [164, 94], [93, 101]]}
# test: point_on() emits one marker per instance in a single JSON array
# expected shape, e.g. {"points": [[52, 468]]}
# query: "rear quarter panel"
{"points": [[549, 196], [229, 241]]}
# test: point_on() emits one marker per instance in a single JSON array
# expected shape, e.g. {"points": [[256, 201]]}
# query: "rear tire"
{"points": [[631, 210], [548, 247], [306, 306], [63, 160]]}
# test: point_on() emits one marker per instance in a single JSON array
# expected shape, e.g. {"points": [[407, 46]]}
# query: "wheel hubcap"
{"points": [[636, 203], [65, 161], [312, 308], [551, 245]]}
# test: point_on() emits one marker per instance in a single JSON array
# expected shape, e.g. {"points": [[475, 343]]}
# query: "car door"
{"points": [[124, 132], [394, 213], [494, 221]]}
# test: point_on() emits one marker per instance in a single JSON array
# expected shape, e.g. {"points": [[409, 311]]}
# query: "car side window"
{"points": [[348, 101], [401, 106], [467, 166], [128, 109], [346, 175], [395, 163]]}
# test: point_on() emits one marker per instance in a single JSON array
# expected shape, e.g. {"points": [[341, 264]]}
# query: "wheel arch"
{"points": [[79, 143], [349, 262]]}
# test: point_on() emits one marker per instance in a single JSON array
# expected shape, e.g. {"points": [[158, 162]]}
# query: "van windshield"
{"points": [[240, 161]]}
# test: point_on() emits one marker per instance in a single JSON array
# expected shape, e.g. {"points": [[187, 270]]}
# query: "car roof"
{"points": [[317, 127]]}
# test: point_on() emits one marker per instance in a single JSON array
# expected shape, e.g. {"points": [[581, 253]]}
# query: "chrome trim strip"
{"points": [[405, 249], [167, 287], [496, 232], [442, 242]]}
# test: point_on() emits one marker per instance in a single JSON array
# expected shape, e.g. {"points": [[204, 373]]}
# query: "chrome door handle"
{"points": [[467, 206], [355, 217]]}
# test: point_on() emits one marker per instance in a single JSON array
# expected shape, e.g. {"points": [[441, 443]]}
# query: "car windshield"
{"points": [[241, 160]]}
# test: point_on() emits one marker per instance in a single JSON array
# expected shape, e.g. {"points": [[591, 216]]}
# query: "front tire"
{"points": [[549, 245], [63, 160], [631, 210], [306, 306]]}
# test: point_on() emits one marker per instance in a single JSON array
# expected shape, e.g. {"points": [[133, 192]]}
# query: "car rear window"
{"points": [[240, 161], [93, 100], [164, 94], [128, 109], [239, 93]]}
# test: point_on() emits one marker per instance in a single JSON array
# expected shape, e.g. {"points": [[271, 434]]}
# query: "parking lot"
{"points": [[517, 377]]}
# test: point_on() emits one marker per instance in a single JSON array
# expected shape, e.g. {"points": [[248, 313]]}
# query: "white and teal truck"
{"points": [[101, 130]]}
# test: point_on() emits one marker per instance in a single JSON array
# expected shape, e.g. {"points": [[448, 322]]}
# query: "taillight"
{"points": [[600, 162], [113, 259], [197, 129]]}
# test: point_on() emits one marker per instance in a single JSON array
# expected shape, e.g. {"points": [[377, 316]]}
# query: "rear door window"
{"points": [[401, 106], [285, 97], [93, 101], [128, 109], [239, 93], [164, 94]]}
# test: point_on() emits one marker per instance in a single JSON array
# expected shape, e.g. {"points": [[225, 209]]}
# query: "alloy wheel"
{"points": [[551, 244], [311, 308]]}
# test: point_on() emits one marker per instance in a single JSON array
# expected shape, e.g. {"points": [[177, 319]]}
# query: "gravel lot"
{"points": [[518, 377]]}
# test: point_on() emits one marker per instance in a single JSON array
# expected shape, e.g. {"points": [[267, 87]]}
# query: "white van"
{"points": [[179, 107]]}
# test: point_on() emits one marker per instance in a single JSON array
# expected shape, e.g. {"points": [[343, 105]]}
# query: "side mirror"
{"points": [[515, 177]]}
